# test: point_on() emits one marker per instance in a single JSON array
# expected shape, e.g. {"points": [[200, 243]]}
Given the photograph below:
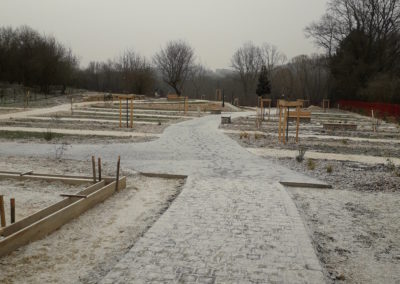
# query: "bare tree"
{"points": [[137, 75], [271, 56], [175, 63], [378, 19], [197, 80], [247, 62]]}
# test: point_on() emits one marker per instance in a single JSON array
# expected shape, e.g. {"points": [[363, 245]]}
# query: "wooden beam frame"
{"points": [[48, 220], [68, 179], [284, 113], [130, 98], [267, 101], [305, 184]]}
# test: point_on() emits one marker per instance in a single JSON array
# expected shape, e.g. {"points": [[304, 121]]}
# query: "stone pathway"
{"points": [[232, 223]]}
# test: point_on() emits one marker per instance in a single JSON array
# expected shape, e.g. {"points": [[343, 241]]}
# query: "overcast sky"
{"points": [[102, 29]]}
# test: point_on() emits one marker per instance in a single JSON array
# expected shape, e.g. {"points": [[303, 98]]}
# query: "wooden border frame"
{"points": [[284, 113], [68, 179], [49, 219], [262, 106]]}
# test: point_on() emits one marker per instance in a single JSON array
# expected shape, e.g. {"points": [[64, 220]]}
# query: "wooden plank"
{"points": [[306, 114], [305, 184], [161, 175], [7, 172], [73, 181], [48, 175], [54, 221], [290, 104], [72, 195], [47, 211]]}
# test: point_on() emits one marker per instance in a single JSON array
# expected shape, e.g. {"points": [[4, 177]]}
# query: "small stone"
{"points": [[340, 277]]}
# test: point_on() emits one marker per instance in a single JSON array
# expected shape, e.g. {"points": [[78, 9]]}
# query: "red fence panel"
{"points": [[380, 109]]}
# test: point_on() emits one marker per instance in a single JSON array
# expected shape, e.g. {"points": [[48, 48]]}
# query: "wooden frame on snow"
{"points": [[49, 219]]}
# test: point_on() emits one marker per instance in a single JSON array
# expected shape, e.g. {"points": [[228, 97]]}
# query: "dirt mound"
{"points": [[314, 108]]}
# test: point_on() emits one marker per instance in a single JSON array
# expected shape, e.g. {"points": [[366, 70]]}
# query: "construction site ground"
{"points": [[353, 225], [230, 221]]}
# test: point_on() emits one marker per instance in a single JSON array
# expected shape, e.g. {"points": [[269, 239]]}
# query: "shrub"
{"points": [[48, 135], [244, 135], [300, 156], [310, 164], [329, 169], [390, 165], [258, 136]]}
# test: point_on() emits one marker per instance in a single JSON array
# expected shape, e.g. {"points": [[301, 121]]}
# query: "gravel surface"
{"points": [[355, 234]]}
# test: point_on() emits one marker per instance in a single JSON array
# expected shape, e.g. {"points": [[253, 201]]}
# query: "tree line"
{"points": [[33, 60], [361, 39], [361, 61]]}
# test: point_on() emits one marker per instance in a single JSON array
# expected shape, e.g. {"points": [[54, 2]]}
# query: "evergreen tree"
{"points": [[264, 86]]}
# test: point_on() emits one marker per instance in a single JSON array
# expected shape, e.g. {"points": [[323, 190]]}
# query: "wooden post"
{"points": [[298, 123], [99, 165], [280, 121], [131, 112], [269, 111], [284, 125], [12, 209], [186, 105], [127, 113], [262, 109], [117, 181], [373, 121], [2, 213], [120, 113], [94, 169]]}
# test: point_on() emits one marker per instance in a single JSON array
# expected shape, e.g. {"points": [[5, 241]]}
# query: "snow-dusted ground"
{"points": [[232, 223], [85, 249]]}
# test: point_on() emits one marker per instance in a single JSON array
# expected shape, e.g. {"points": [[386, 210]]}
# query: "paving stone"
{"points": [[232, 217]]}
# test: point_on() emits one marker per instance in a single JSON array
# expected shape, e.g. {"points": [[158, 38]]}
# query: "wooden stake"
{"points": [[298, 123], [120, 113], [2, 213], [284, 135], [117, 181], [12, 209], [94, 169], [99, 165], [280, 121], [131, 113], [186, 105]]}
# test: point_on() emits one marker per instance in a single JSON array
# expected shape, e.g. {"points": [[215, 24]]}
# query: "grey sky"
{"points": [[101, 29]]}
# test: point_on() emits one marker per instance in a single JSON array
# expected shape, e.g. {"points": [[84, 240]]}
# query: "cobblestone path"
{"points": [[232, 223]]}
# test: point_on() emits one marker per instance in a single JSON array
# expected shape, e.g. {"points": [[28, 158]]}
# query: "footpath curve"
{"points": [[232, 223]]}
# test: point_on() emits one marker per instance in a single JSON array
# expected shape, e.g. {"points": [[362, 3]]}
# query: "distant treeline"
{"points": [[361, 62], [34, 60]]}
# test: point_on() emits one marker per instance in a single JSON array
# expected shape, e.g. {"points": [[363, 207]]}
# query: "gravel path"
{"points": [[232, 223]]}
